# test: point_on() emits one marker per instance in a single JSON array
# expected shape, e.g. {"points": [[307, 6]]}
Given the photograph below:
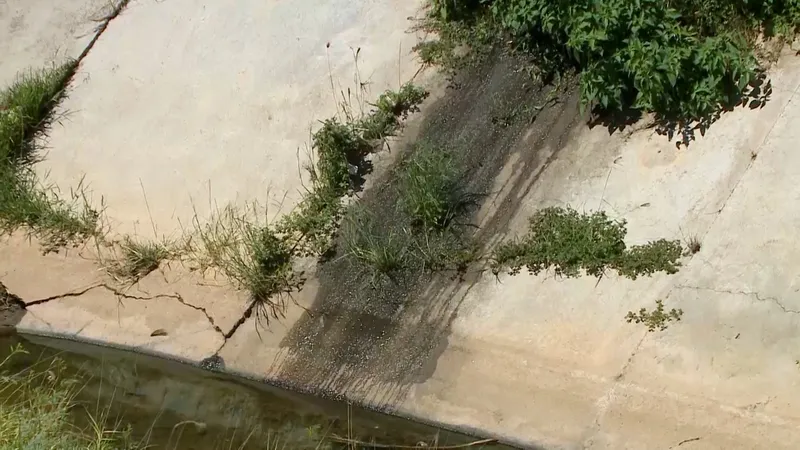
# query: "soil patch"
{"points": [[373, 338]]}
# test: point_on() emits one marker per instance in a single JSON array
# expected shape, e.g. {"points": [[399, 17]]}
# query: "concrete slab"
{"points": [[37, 33], [187, 104]]}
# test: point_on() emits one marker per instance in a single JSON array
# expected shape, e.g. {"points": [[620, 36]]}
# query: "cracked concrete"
{"points": [[537, 360]]}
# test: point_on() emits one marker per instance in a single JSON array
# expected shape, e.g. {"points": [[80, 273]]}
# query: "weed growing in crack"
{"points": [[693, 245], [26, 110], [379, 251], [139, 258], [431, 191], [570, 242], [656, 319], [250, 253]]}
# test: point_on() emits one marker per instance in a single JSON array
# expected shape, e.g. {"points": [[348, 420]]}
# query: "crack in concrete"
{"points": [[754, 294], [124, 295]]}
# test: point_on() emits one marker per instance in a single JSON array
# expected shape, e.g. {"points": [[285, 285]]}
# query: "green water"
{"points": [[177, 406]]}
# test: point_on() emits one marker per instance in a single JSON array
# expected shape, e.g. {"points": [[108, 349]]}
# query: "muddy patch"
{"points": [[371, 339]]}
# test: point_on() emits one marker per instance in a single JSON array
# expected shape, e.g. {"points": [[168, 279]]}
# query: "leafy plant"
{"points": [[656, 319], [570, 242]]}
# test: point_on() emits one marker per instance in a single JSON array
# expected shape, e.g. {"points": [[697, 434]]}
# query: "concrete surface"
{"points": [[186, 104], [537, 360], [37, 33]]}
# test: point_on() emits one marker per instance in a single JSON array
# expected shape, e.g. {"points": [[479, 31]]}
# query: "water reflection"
{"points": [[176, 406]]}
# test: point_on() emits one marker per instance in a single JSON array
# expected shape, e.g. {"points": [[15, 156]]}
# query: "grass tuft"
{"points": [[570, 242], [432, 193], [139, 258], [25, 111], [250, 253], [693, 245], [381, 251], [656, 319]]}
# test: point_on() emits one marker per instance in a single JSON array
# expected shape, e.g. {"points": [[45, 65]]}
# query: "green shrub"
{"points": [[570, 242]]}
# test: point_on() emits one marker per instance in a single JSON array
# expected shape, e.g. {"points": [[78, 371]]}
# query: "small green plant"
{"points": [[431, 191], [379, 249], [138, 258], [570, 242], [250, 253], [312, 226], [338, 146], [391, 107], [26, 110], [656, 319]]}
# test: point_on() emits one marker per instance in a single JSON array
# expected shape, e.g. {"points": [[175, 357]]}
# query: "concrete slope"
{"points": [[175, 97], [37, 33], [190, 103]]}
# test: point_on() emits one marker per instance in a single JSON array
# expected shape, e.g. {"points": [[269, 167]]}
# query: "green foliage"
{"points": [[454, 9], [25, 110], [337, 145], [38, 410], [250, 253], [431, 193], [656, 319], [313, 224], [570, 242], [381, 250], [637, 54], [391, 107], [139, 258]]}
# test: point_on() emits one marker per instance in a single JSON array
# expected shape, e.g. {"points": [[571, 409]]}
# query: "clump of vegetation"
{"points": [[685, 61], [431, 190], [656, 319], [250, 253], [380, 249], [25, 111], [38, 408], [138, 258], [693, 245], [569, 242], [341, 149]]}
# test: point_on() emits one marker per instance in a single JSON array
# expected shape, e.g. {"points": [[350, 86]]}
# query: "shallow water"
{"points": [[173, 405]]}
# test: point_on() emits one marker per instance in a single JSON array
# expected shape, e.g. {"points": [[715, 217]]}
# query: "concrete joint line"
{"points": [[122, 295]]}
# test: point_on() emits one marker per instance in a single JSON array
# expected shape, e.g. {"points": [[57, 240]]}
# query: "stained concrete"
{"points": [[184, 106], [38, 33], [533, 359]]}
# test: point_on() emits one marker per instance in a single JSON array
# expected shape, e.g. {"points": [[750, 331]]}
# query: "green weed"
{"points": [[138, 258], [250, 253], [570, 242], [391, 107], [26, 110], [656, 319], [380, 250], [431, 191]]}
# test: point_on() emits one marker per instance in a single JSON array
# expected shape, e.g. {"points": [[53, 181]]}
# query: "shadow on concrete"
{"points": [[12, 309], [370, 341]]}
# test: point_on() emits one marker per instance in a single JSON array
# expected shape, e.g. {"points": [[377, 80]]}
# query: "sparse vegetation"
{"points": [[693, 245], [138, 258], [658, 319], [684, 60], [569, 242], [26, 111], [38, 409]]}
